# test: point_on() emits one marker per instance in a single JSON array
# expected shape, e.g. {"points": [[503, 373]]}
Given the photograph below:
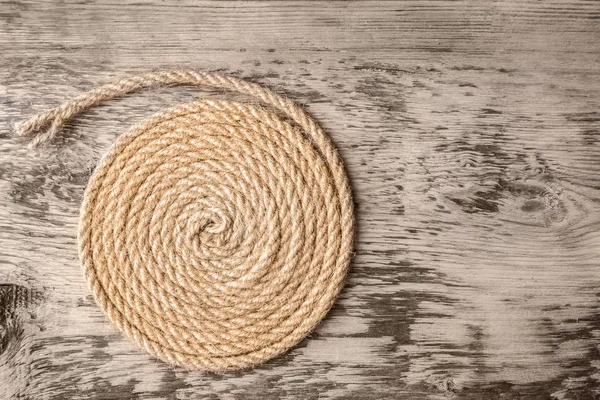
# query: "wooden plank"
{"points": [[471, 133]]}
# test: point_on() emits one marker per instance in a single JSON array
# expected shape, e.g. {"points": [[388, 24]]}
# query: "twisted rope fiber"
{"points": [[215, 234]]}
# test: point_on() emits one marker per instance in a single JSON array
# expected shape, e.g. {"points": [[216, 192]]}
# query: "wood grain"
{"points": [[471, 133]]}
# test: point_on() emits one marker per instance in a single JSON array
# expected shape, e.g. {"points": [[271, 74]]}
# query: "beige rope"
{"points": [[215, 234]]}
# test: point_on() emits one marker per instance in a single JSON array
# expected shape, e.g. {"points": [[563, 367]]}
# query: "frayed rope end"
{"points": [[23, 128], [38, 125]]}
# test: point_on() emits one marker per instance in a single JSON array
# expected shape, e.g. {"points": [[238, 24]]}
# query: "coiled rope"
{"points": [[215, 234]]}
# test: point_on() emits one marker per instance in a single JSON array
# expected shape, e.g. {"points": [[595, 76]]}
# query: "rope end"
{"points": [[38, 125], [23, 128]]}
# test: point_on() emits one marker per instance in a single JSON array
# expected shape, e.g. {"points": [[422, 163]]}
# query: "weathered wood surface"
{"points": [[471, 132]]}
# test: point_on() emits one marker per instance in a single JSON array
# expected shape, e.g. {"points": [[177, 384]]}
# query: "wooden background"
{"points": [[471, 133]]}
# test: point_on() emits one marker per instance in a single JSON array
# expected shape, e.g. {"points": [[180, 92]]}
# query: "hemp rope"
{"points": [[215, 234]]}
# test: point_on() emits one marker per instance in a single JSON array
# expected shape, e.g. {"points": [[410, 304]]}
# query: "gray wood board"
{"points": [[470, 131]]}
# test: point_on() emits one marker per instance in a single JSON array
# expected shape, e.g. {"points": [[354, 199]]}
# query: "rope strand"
{"points": [[57, 117]]}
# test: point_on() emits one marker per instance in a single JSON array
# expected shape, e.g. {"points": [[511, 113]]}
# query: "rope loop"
{"points": [[215, 234]]}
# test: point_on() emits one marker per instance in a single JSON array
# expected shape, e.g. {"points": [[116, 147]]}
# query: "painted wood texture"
{"points": [[471, 133]]}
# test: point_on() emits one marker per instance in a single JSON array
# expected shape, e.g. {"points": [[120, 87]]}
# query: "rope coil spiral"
{"points": [[215, 234]]}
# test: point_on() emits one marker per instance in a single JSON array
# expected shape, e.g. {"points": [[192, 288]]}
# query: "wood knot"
{"points": [[528, 201], [532, 202]]}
